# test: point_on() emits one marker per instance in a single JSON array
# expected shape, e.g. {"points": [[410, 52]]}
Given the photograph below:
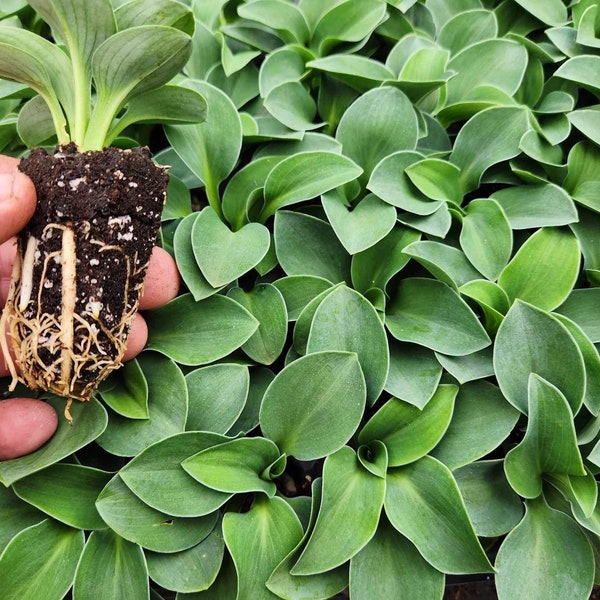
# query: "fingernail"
{"points": [[7, 183]]}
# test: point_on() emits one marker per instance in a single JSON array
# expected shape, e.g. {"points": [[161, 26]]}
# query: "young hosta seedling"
{"points": [[82, 259]]}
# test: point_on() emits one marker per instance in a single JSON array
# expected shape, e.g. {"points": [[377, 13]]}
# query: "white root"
{"points": [[27, 273], [69, 297]]}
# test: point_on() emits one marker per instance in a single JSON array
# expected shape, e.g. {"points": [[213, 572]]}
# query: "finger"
{"points": [[17, 201], [8, 251], [25, 425], [138, 336], [162, 280]]}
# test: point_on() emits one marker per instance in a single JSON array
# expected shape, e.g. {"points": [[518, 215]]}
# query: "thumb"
{"points": [[17, 203]]}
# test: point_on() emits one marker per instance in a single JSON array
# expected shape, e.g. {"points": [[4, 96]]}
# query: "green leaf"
{"points": [[491, 298], [267, 305], [583, 70], [390, 182], [532, 206], [446, 263], [89, 421], [587, 121], [106, 554], [223, 255], [429, 313], [314, 405], [305, 176], [471, 66], [437, 179], [408, 432], [481, 421], [66, 492], [285, 18], [470, 367], [258, 540], [486, 237], [493, 506], [549, 445], [375, 266], [183, 249], [414, 373], [351, 494], [34, 123], [386, 117], [358, 72], [423, 497], [34, 61], [209, 149], [129, 63], [550, 12], [133, 520], [167, 402], [349, 21], [217, 395], [15, 515], [244, 190], [168, 104], [591, 361], [364, 225], [544, 270], [156, 477], [467, 28], [191, 570], [346, 321], [500, 130], [155, 12], [298, 291], [41, 557], [581, 306], [197, 333], [401, 570], [545, 554], [306, 245], [293, 106], [531, 340], [237, 466], [126, 391]]}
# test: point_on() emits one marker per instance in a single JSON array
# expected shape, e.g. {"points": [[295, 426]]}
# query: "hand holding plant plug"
{"points": [[25, 423], [81, 261]]}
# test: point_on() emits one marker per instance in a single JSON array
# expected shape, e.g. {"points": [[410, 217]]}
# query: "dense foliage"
{"points": [[383, 365]]}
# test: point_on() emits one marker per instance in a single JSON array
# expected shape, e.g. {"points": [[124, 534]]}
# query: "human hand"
{"points": [[26, 424]]}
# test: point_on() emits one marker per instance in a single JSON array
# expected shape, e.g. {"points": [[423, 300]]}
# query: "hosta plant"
{"points": [[381, 377], [83, 257]]}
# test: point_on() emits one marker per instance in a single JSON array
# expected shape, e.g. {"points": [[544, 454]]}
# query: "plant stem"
{"points": [[82, 101]]}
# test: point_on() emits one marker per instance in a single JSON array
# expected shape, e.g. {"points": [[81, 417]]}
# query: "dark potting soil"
{"points": [[112, 200]]}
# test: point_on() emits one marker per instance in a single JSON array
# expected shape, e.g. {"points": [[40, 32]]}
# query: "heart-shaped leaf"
{"points": [[363, 226], [224, 255]]}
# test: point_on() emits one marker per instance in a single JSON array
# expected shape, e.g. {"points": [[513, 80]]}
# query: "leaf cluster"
{"points": [[384, 359]]}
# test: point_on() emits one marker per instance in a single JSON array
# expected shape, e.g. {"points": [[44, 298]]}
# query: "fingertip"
{"points": [[26, 424], [17, 203], [138, 336], [162, 280]]}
